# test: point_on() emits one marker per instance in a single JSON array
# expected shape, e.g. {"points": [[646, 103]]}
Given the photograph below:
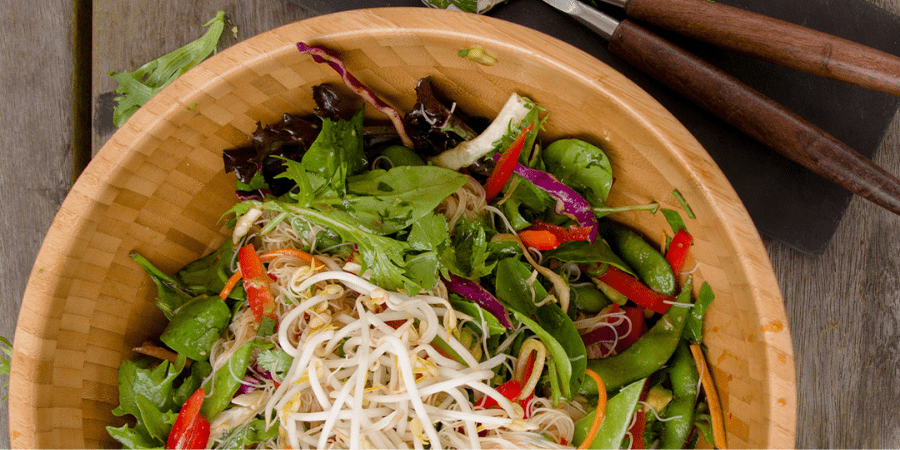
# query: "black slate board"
{"points": [[786, 201]]}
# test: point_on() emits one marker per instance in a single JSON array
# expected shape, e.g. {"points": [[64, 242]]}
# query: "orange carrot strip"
{"points": [[229, 286], [601, 410], [712, 397], [296, 253]]}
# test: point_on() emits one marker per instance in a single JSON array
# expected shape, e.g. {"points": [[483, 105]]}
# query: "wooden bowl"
{"points": [[158, 187]]}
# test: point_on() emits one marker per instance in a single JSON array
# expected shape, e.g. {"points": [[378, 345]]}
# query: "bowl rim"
{"points": [[28, 344]]}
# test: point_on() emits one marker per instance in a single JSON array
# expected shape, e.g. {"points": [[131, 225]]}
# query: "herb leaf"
{"points": [[139, 86]]}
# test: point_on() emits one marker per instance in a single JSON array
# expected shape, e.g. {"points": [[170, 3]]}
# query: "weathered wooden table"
{"points": [[843, 306]]}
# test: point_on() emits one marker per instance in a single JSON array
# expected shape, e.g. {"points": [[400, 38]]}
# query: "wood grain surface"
{"points": [[786, 44], [843, 306]]}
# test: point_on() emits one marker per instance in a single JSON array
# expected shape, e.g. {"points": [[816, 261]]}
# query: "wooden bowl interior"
{"points": [[158, 187]]}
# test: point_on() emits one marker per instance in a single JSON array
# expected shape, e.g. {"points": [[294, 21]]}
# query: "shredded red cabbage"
{"points": [[323, 55], [472, 291], [567, 200]]}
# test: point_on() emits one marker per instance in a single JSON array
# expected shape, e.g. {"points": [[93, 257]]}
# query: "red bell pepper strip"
{"points": [[510, 390], [539, 239], [256, 283], [191, 429], [640, 422], [627, 332], [572, 233], [678, 250], [636, 291], [505, 165]]}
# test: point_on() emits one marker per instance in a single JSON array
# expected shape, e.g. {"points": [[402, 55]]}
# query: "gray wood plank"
{"points": [[844, 312], [36, 113], [128, 34]]}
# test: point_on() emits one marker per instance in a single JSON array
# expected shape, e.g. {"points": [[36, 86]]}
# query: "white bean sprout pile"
{"points": [[366, 372]]}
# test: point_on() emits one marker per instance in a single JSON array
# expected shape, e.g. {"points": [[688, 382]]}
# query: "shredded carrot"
{"points": [[601, 410], [296, 253], [229, 286], [712, 397]]}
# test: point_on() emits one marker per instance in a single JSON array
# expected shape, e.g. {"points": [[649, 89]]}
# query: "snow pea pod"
{"points": [[649, 264], [619, 410], [226, 382], [647, 355], [680, 411]]}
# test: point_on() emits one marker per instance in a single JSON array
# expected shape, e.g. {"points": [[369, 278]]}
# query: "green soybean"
{"points": [[684, 378], [589, 299], [649, 264]]}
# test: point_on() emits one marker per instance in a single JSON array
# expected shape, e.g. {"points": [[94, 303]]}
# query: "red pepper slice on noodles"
{"points": [[256, 283]]}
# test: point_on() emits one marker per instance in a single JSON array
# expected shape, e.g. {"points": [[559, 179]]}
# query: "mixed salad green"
{"points": [[447, 281]]}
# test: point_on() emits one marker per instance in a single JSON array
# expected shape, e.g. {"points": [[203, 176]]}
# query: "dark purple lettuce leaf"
{"points": [[290, 138], [432, 126]]}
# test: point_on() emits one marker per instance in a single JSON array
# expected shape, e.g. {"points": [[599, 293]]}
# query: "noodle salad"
{"points": [[444, 281]]}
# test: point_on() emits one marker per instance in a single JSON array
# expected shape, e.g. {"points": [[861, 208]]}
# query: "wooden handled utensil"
{"points": [[771, 40], [740, 105]]}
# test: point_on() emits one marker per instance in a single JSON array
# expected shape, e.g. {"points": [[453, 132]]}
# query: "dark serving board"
{"points": [[786, 201]]}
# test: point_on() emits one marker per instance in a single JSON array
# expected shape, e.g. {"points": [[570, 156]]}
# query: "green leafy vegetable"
{"points": [[196, 326], [684, 204], [139, 86], [275, 361], [674, 219], [385, 202], [337, 153], [171, 293], [693, 329], [5, 363]]}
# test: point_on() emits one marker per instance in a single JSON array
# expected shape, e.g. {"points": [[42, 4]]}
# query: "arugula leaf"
{"points": [[139, 86], [384, 255], [385, 202]]}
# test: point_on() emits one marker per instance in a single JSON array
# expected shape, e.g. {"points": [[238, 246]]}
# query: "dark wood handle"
{"points": [[773, 40], [755, 114]]}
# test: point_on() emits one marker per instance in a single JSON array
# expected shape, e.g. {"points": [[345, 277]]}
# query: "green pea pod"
{"points": [[651, 266], [647, 355], [226, 382], [619, 409], [684, 378]]}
